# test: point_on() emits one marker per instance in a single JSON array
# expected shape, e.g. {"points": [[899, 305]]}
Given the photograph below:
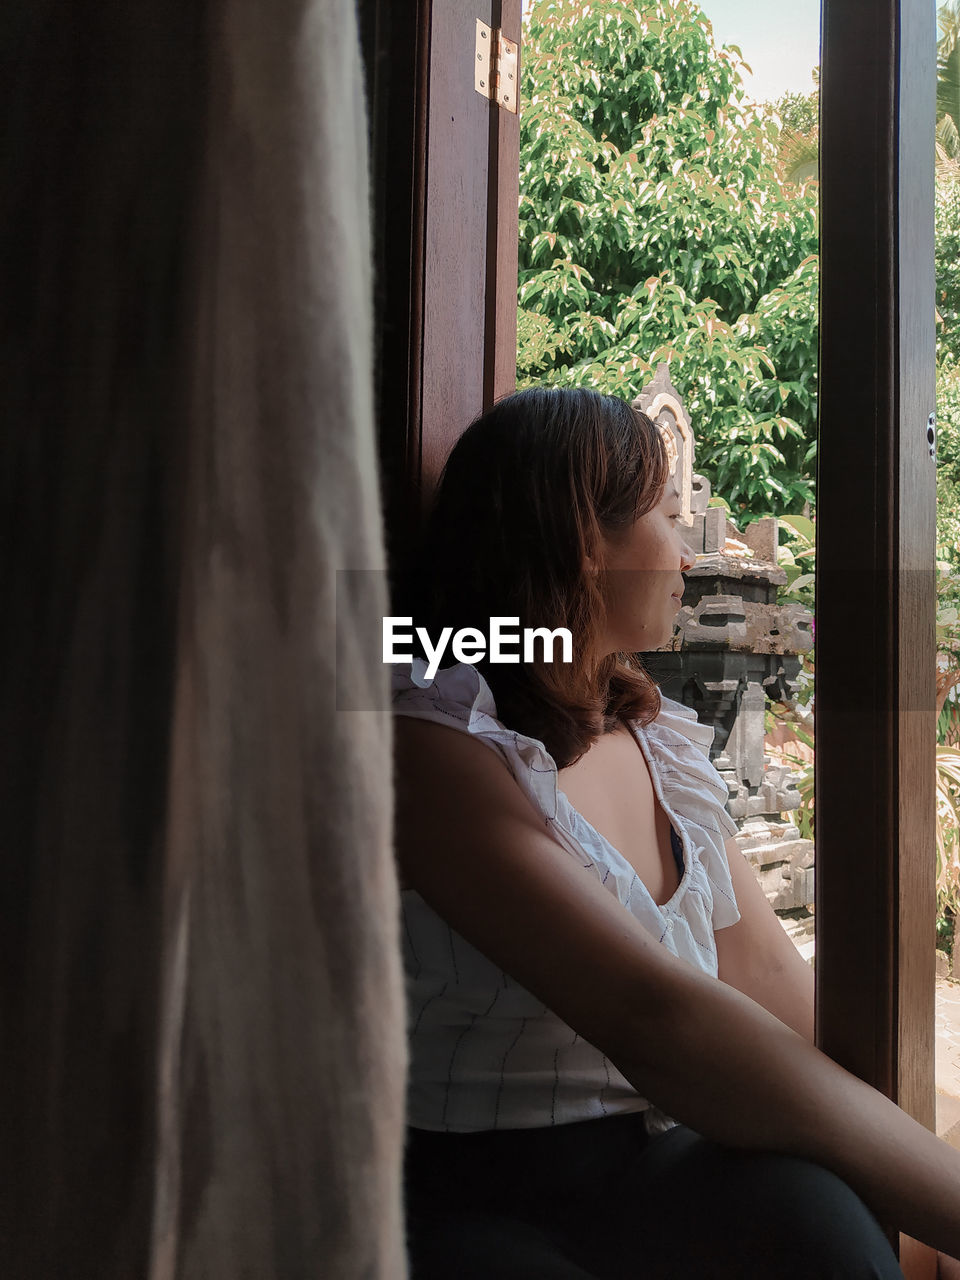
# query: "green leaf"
{"points": [[801, 525]]}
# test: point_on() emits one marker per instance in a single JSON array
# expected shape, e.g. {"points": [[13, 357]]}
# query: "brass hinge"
{"points": [[496, 65]]}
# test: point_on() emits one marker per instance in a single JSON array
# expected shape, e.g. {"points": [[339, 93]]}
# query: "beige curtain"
{"points": [[203, 994]]}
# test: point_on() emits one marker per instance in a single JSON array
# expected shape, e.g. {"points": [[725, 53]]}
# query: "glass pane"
{"points": [[669, 254], [947, 267]]}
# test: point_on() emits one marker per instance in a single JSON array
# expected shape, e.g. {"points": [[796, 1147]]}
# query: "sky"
{"points": [[779, 40]]}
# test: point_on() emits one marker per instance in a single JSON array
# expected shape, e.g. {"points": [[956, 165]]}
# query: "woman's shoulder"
{"points": [[457, 693], [675, 720], [458, 697]]}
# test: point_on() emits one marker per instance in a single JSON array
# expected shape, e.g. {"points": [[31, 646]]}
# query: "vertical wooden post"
{"points": [[500, 346], [397, 59], [446, 177], [456, 231], [875, 656]]}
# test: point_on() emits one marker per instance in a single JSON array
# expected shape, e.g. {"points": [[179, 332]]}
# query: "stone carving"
{"points": [[734, 647], [660, 401]]}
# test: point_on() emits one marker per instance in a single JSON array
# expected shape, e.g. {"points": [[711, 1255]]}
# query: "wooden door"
{"points": [[446, 179]]}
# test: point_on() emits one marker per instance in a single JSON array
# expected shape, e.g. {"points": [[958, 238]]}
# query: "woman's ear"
{"points": [[590, 566]]}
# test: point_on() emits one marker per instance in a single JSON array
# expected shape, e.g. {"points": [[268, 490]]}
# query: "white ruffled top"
{"points": [[486, 1053]]}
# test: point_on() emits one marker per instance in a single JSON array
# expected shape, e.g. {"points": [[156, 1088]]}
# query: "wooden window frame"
{"points": [[876, 519], [875, 643], [446, 187]]}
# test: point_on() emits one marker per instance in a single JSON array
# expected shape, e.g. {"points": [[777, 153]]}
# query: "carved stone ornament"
{"points": [[660, 401], [734, 647]]}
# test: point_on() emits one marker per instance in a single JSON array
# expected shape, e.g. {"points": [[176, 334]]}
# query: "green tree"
{"points": [[653, 227], [799, 142], [948, 550], [800, 112], [947, 259], [948, 82], [947, 251]]}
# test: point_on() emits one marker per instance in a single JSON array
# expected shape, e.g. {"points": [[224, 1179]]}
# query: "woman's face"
{"points": [[642, 582]]}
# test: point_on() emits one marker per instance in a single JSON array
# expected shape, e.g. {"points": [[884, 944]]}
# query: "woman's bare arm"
{"points": [[479, 854], [756, 956]]}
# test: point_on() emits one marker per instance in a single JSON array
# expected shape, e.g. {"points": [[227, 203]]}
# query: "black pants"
{"points": [[601, 1200]]}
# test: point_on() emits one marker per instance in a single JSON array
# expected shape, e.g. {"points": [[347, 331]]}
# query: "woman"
{"points": [[612, 1062]]}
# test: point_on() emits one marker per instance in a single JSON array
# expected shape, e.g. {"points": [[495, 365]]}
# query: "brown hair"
{"points": [[524, 496]]}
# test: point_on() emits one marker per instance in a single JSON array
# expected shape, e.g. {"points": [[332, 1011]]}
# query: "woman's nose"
{"points": [[688, 557]]}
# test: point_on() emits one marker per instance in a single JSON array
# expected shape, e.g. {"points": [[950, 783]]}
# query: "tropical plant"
{"points": [[948, 650], [948, 644], [948, 80], [653, 228], [948, 543], [803, 775], [796, 556], [947, 798], [948, 830], [946, 245], [796, 716]]}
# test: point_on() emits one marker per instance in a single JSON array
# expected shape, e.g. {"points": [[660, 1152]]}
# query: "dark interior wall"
{"points": [[200, 999], [99, 106], [396, 50]]}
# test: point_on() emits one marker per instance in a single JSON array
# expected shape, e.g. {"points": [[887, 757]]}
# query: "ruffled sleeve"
{"points": [[460, 698], [679, 751]]}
